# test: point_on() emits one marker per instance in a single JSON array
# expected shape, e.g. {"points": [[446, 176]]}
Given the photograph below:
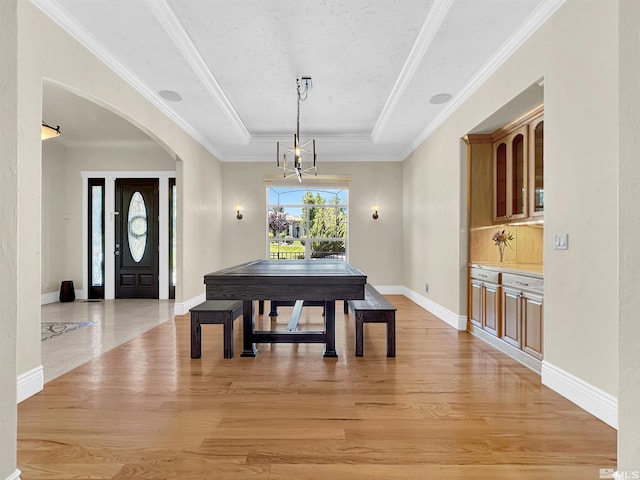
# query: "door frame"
{"points": [[109, 230]]}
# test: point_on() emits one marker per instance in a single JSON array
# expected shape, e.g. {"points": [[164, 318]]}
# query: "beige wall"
{"points": [[72, 67], [629, 231], [434, 179], [62, 200], [575, 53], [581, 143], [55, 248], [8, 235], [199, 224], [375, 246]]}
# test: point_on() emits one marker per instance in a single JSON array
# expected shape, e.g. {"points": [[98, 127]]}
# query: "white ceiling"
{"points": [[375, 65]]}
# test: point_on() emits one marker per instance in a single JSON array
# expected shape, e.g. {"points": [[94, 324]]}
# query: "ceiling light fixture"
{"points": [[440, 98], [170, 95], [47, 131], [297, 149]]}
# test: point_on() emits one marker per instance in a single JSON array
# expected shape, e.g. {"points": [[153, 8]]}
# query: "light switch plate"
{"points": [[561, 241]]}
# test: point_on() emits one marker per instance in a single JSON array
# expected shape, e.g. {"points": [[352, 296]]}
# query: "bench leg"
{"points": [[228, 337], [359, 335], [196, 336], [391, 337]]}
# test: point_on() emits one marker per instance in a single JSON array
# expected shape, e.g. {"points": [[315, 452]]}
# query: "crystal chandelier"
{"points": [[297, 149]]}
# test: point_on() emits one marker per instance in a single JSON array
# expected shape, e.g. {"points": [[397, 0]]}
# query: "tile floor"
{"points": [[115, 322]]}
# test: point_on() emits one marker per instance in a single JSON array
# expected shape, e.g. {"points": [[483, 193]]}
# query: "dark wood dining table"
{"points": [[325, 280]]}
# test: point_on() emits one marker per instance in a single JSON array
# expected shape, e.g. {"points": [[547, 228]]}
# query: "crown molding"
{"points": [[529, 26], [132, 144], [430, 27], [167, 18], [55, 12], [326, 158], [362, 138]]}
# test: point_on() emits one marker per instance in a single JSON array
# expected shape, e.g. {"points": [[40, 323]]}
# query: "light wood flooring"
{"points": [[447, 407]]}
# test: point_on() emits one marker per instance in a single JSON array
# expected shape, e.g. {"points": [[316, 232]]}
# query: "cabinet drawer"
{"points": [[486, 275], [522, 282]]}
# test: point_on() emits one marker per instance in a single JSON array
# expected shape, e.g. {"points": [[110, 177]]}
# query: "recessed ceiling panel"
{"points": [[256, 49], [375, 65]]}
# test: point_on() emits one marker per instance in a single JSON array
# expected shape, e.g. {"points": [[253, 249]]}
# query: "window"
{"points": [[173, 212], [307, 223], [96, 238]]}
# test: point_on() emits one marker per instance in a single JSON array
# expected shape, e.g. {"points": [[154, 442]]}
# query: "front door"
{"points": [[136, 246]]}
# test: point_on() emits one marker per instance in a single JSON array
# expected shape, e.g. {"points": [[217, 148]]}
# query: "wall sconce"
{"points": [[238, 211], [375, 212]]}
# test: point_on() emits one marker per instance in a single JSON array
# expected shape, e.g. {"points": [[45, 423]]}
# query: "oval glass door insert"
{"points": [[137, 227]]}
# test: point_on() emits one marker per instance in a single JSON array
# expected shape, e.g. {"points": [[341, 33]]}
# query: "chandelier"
{"points": [[297, 149]]}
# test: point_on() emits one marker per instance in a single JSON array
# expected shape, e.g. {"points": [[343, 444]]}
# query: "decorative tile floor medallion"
{"points": [[53, 329]]}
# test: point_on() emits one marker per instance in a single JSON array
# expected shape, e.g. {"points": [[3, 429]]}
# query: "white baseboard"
{"points": [[51, 297], [30, 383], [15, 475], [459, 322], [597, 402], [183, 308]]}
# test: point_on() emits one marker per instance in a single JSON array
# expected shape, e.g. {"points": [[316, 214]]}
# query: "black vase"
{"points": [[67, 292]]}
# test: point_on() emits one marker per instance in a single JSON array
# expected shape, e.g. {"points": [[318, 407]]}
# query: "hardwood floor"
{"points": [[447, 407]]}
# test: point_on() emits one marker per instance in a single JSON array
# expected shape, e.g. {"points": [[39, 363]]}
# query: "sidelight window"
{"points": [[96, 238]]}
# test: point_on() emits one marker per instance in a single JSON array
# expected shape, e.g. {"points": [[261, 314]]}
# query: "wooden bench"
{"points": [[214, 311], [374, 309]]}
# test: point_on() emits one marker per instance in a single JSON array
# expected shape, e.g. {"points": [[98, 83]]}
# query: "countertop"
{"points": [[530, 269]]}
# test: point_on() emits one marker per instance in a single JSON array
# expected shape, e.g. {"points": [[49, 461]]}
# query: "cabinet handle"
{"points": [[482, 275], [521, 283]]}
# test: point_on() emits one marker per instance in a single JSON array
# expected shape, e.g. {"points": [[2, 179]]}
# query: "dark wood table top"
{"points": [[288, 270], [320, 279]]}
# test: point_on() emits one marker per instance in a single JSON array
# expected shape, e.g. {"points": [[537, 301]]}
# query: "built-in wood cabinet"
{"points": [[536, 167], [522, 313], [506, 192], [532, 324], [506, 169], [508, 306], [511, 317], [518, 168], [485, 300], [510, 176]]}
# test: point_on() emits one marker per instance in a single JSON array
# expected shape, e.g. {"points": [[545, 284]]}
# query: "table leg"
{"points": [[248, 322], [330, 329]]}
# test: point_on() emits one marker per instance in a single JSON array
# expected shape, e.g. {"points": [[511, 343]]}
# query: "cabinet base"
{"points": [[515, 353]]}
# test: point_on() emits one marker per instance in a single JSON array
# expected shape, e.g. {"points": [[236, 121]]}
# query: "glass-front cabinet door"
{"points": [[510, 176], [536, 167]]}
